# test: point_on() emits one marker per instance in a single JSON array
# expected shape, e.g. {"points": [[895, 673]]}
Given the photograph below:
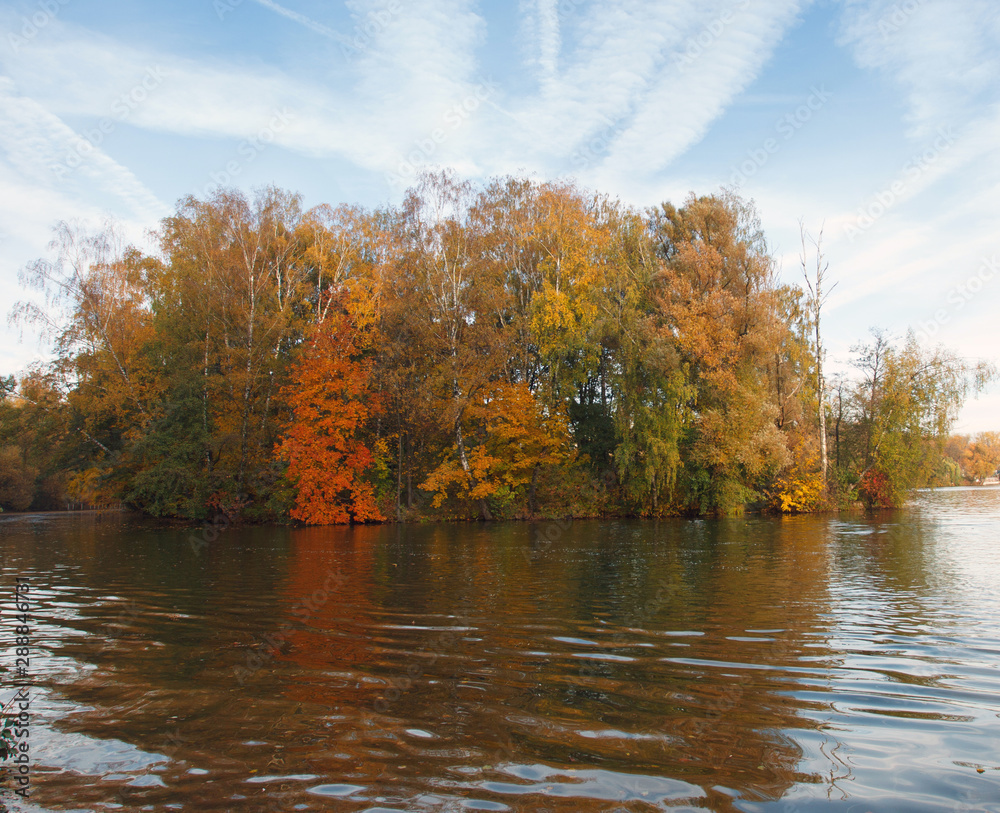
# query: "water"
{"points": [[807, 664]]}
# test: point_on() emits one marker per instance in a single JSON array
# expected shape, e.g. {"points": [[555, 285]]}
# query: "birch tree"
{"points": [[818, 294]]}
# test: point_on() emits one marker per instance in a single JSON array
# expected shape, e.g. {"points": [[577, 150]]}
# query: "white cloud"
{"points": [[942, 54], [688, 95], [42, 150], [641, 82], [617, 91]]}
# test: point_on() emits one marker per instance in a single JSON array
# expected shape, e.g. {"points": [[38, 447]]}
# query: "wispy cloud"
{"points": [[36, 142], [549, 39], [628, 99], [687, 96], [943, 55], [302, 19], [618, 80]]}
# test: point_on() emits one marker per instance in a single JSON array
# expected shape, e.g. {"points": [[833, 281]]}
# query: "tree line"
{"points": [[518, 349]]}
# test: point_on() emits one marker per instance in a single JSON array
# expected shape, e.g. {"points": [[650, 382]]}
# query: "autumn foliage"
{"points": [[330, 403], [519, 349]]}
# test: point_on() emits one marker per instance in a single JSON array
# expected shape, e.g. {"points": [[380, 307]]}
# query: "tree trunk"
{"points": [[533, 493], [604, 391], [818, 299], [822, 398], [399, 478]]}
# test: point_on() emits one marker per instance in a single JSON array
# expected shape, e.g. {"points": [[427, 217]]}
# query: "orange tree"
{"points": [[330, 402]]}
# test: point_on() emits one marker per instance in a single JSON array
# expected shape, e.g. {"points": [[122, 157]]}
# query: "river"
{"points": [[817, 663]]}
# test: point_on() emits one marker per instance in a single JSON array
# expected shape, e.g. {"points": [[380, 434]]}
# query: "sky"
{"points": [[877, 121]]}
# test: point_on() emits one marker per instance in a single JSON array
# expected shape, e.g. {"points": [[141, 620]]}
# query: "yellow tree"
{"points": [[519, 437], [564, 309], [96, 307], [451, 300], [347, 250], [906, 401], [505, 217], [982, 456], [717, 297]]}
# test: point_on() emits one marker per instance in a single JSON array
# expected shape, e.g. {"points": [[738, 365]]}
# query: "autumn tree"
{"points": [[38, 446], [230, 305], [982, 456], [473, 352], [518, 436], [638, 375], [717, 296], [329, 398], [456, 299], [506, 217], [95, 307]]}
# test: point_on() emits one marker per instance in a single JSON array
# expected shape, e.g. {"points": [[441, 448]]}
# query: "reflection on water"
{"points": [[751, 664]]}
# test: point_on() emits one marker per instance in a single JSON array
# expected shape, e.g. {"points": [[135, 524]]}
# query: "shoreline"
{"points": [[180, 522]]}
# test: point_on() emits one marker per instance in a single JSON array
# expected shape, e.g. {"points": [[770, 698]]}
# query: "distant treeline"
{"points": [[518, 350]]}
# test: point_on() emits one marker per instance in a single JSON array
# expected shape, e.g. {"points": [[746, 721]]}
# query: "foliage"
{"points": [[515, 437], [799, 488], [719, 306], [520, 349], [329, 399], [905, 404], [982, 458], [8, 741]]}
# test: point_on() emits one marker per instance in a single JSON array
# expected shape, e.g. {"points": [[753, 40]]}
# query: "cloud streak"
{"points": [[35, 142], [302, 19]]}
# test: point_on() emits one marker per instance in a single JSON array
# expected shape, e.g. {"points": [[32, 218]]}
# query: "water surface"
{"points": [[815, 663]]}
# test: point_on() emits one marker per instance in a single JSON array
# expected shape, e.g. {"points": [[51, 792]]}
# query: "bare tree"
{"points": [[818, 295]]}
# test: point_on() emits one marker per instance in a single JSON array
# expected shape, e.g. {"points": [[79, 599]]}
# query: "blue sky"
{"points": [[877, 118]]}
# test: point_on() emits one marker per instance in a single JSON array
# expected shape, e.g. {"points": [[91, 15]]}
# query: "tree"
{"points": [[518, 437], [96, 309], [230, 305], [906, 402], [330, 401], [37, 445], [571, 244], [818, 294], [982, 457], [455, 298], [719, 308]]}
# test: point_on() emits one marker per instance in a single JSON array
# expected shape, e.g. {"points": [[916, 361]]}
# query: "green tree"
{"points": [[906, 402]]}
